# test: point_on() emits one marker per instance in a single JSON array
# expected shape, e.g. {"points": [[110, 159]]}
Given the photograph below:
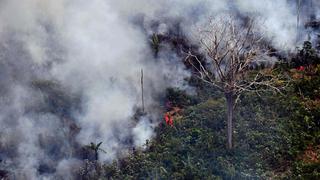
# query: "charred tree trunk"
{"points": [[230, 98]]}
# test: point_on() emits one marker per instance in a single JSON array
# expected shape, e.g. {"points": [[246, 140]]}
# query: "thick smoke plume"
{"points": [[70, 72]]}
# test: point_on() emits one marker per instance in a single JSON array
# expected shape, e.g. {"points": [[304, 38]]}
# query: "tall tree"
{"points": [[232, 50]]}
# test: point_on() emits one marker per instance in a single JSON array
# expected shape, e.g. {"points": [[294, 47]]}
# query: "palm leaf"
{"points": [[99, 144], [103, 150]]}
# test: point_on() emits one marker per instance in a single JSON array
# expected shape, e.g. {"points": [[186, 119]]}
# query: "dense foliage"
{"points": [[276, 135]]}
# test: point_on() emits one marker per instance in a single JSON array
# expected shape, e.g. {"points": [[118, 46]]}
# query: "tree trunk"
{"points": [[230, 103], [96, 155]]}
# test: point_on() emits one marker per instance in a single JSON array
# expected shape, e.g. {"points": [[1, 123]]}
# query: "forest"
{"points": [[276, 134], [107, 89]]}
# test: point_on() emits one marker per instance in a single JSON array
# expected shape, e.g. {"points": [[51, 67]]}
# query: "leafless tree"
{"points": [[232, 50]]}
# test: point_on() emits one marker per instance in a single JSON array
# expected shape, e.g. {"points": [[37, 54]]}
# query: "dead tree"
{"points": [[142, 92], [96, 148], [232, 49], [298, 13]]}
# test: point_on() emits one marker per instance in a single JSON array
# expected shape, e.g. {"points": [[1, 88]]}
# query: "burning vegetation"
{"points": [[159, 90]]}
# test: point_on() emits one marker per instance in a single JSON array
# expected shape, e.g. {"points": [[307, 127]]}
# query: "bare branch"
{"points": [[231, 49]]}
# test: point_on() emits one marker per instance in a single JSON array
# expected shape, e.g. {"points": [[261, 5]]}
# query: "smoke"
{"points": [[71, 76], [70, 73], [278, 20], [141, 132], [278, 17]]}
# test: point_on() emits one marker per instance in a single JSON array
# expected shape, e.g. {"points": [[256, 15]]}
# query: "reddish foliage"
{"points": [[311, 154]]}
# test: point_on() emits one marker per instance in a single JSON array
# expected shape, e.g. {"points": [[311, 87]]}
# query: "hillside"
{"points": [[276, 136], [149, 89]]}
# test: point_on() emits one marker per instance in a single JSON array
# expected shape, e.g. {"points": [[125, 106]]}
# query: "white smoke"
{"points": [[96, 50], [279, 20], [90, 49], [142, 132], [278, 17]]}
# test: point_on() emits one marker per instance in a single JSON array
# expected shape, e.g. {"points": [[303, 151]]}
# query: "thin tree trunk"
{"points": [[96, 155], [298, 13], [230, 103], [142, 93]]}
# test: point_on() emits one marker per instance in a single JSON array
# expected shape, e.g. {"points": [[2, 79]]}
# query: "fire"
{"points": [[301, 68], [169, 119], [168, 116]]}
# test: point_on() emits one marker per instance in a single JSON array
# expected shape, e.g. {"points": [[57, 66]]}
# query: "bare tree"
{"points": [[232, 50]]}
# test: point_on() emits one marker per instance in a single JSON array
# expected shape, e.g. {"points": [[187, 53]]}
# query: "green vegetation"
{"points": [[276, 136], [155, 44]]}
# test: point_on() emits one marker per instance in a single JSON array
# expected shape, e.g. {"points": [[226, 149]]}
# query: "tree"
{"points": [[306, 56], [96, 148], [232, 50], [155, 44]]}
